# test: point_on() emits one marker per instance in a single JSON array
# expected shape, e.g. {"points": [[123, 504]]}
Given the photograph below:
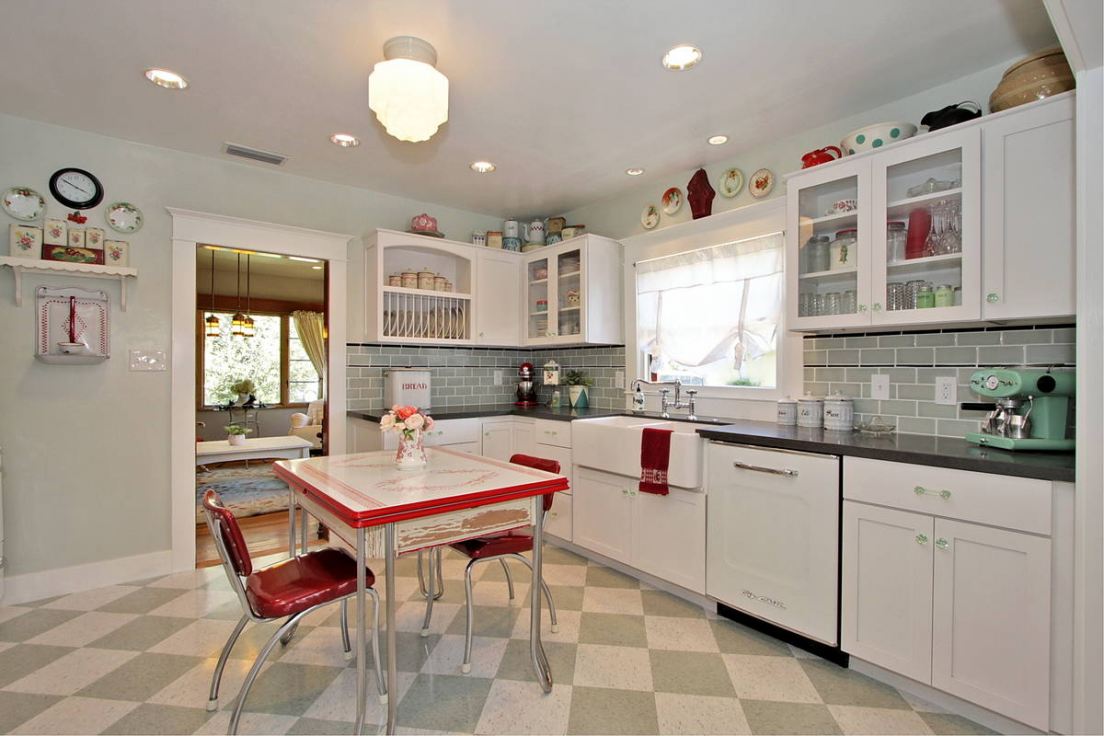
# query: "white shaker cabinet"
{"points": [[887, 588], [603, 513], [991, 619], [1028, 212], [573, 293], [497, 298]]}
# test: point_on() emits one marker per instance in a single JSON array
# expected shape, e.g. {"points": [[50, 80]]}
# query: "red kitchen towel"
{"points": [[655, 458]]}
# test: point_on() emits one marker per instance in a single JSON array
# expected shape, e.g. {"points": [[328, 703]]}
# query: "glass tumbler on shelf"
{"points": [[819, 307], [896, 239], [895, 296], [849, 302], [819, 254], [805, 302], [832, 302]]}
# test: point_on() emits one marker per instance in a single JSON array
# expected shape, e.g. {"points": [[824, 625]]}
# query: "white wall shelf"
{"points": [[89, 270]]}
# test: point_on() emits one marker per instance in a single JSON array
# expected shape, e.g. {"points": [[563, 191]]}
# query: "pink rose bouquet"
{"points": [[407, 420]]}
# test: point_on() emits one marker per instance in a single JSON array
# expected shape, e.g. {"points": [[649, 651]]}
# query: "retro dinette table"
{"points": [[383, 511]]}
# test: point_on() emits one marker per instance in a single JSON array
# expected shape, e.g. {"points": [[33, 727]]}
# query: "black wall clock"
{"points": [[76, 188]]}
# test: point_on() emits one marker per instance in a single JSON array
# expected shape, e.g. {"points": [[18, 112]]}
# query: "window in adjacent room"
{"points": [[712, 316]]}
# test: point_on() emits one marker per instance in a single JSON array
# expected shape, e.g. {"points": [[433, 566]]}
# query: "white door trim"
{"points": [[189, 230]]}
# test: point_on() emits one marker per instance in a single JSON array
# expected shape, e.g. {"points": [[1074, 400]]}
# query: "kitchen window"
{"points": [[274, 359], [712, 316]]}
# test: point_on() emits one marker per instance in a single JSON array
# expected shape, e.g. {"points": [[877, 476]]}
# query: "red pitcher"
{"points": [[820, 156]]}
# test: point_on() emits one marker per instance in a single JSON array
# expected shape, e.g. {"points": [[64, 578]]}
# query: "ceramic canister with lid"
{"points": [[409, 279], [810, 411], [839, 413], [425, 279], [787, 412]]}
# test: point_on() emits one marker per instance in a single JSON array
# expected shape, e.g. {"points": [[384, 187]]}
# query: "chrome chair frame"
{"points": [[282, 635]]}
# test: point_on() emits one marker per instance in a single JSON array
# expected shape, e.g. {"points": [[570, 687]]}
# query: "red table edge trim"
{"points": [[426, 508]]}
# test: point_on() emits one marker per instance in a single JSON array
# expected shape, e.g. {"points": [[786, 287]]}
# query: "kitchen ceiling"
{"points": [[561, 96]]}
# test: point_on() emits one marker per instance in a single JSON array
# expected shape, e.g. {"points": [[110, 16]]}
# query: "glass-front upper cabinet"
{"points": [[569, 294], [538, 272], [926, 230], [554, 297], [828, 247]]}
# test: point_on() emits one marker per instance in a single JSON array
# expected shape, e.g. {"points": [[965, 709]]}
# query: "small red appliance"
{"points": [[527, 387]]}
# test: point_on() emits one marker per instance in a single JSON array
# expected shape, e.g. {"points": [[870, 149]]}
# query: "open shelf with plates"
{"points": [[86, 270]]}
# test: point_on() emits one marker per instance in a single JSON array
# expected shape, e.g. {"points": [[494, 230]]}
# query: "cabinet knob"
{"points": [[921, 538], [862, 307], [481, 334], [942, 543], [877, 307], [992, 297]]}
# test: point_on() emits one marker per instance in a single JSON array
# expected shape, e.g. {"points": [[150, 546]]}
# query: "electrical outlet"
{"points": [[879, 386], [619, 379], [946, 390], [498, 378]]}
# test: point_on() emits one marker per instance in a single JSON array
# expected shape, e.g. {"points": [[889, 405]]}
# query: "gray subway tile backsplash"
{"points": [[845, 363], [464, 376]]}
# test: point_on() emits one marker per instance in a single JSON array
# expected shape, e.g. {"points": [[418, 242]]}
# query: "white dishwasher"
{"points": [[773, 536]]}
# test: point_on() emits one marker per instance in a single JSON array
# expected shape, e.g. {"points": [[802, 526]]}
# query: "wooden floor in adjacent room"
{"points": [[264, 534]]}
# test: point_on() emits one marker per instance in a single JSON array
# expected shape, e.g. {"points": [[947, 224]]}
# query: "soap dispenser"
{"points": [[638, 398]]}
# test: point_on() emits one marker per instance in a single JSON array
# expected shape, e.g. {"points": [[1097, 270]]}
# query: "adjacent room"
{"points": [[516, 367]]}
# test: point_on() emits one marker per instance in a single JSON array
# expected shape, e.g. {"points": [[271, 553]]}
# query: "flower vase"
{"points": [[236, 439], [578, 397], [410, 454]]}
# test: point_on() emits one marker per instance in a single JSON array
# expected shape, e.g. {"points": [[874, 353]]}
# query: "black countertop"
{"points": [[947, 452], [563, 414]]}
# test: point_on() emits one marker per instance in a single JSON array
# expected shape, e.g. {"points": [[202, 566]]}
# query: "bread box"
{"points": [[407, 387]]}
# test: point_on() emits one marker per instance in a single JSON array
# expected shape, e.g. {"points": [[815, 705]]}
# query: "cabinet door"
{"points": [[539, 291], [524, 438], [559, 454], [558, 518], [886, 597], [472, 448], [602, 514], [669, 536], [498, 299], [941, 245], [1028, 212], [566, 296], [498, 440], [822, 205], [991, 603]]}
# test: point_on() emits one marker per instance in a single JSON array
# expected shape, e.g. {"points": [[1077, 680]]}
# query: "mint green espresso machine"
{"points": [[1029, 408]]}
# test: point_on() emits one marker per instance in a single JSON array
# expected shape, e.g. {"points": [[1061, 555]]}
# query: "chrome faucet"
{"points": [[665, 404]]}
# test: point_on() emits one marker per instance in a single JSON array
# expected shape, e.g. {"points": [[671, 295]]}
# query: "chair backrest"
{"points": [[316, 410], [221, 521], [539, 463]]}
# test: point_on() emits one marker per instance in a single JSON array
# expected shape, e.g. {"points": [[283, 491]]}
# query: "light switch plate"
{"points": [[946, 390], [879, 386], [147, 360], [619, 379]]}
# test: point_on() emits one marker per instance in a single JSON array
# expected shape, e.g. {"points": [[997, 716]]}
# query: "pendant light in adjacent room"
{"points": [[213, 328], [406, 92], [237, 322], [249, 328]]}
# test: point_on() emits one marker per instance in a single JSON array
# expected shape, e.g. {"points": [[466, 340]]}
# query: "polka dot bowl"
{"points": [[876, 136]]}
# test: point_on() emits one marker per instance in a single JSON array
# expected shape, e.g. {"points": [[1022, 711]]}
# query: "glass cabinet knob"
{"points": [[992, 297], [942, 543], [877, 306], [921, 538], [862, 307]]}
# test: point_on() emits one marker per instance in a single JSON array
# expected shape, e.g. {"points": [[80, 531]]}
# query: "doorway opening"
{"points": [[261, 369]]}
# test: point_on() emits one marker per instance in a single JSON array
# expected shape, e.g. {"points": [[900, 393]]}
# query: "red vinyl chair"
{"points": [[288, 589], [500, 547]]}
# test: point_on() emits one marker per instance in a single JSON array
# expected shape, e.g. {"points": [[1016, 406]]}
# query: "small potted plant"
{"points": [[412, 426], [235, 434], [244, 389], [577, 383]]}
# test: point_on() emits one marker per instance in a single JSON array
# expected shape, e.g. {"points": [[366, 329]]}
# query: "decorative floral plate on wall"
{"points": [[672, 200], [761, 183], [649, 218]]}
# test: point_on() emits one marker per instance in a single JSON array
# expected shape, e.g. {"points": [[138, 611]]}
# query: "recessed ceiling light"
{"points": [[345, 140], [634, 171], [682, 57], [166, 78], [718, 140], [481, 167]]}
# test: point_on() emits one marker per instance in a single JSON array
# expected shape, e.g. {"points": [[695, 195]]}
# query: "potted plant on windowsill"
{"points": [[244, 389], [577, 384], [235, 434]]}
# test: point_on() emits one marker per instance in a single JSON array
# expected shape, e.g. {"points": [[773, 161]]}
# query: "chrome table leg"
{"points": [[536, 649]]}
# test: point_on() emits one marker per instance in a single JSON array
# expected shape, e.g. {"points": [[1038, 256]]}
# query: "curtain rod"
{"points": [[710, 247]]}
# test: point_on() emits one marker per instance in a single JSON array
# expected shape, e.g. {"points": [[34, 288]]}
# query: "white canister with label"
{"points": [[810, 412], [787, 412], [839, 413]]}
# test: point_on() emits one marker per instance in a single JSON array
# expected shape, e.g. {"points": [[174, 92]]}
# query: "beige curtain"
{"points": [[311, 327]]}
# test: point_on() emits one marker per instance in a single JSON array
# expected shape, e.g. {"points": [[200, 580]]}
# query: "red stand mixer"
{"points": [[527, 386]]}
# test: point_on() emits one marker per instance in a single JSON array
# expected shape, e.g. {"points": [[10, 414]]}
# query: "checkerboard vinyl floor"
{"points": [[626, 659]]}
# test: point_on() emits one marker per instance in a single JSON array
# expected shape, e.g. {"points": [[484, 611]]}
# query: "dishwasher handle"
{"points": [[760, 469]]}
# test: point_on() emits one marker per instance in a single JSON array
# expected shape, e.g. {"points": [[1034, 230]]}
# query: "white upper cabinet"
{"points": [[1028, 212], [573, 293], [974, 222], [561, 294], [498, 298]]}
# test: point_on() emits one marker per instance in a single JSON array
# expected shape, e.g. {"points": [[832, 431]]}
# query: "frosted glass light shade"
{"points": [[407, 94]]}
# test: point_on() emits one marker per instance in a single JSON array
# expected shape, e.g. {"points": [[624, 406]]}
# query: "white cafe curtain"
{"points": [[311, 328], [701, 306]]}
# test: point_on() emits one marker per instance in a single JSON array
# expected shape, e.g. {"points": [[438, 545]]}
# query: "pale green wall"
{"points": [[619, 216], [86, 448]]}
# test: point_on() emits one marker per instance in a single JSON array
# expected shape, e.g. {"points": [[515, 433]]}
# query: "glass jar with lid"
{"points": [[818, 254], [944, 295], [896, 237], [925, 297], [843, 254]]}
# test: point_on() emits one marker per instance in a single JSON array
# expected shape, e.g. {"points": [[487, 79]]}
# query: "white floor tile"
{"points": [[680, 634], [518, 707], [338, 701], [448, 656], [68, 674], [613, 600], [770, 678], [83, 629], [622, 668], [201, 638], [250, 723], [78, 715], [195, 603], [91, 599], [857, 720], [700, 714]]}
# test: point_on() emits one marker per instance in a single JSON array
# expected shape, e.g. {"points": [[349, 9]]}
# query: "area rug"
{"points": [[247, 491]]}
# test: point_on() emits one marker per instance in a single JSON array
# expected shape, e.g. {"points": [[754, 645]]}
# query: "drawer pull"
{"points": [[760, 469], [921, 491], [921, 538], [942, 544]]}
